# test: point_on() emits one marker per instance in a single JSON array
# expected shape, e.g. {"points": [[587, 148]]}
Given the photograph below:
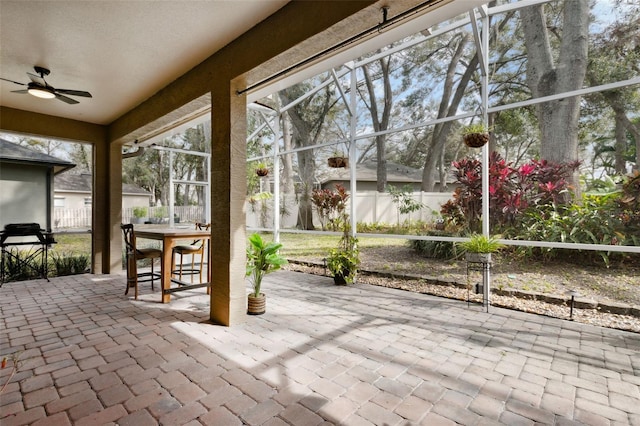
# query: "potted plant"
{"points": [[139, 215], [475, 135], [262, 258], [343, 262], [338, 160], [262, 170], [479, 248]]}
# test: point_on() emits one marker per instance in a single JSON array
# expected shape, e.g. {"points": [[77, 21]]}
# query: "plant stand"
{"points": [[482, 263]]}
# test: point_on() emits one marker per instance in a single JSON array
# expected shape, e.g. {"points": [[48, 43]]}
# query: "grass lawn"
{"points": [[73, 244], [299, 246]]}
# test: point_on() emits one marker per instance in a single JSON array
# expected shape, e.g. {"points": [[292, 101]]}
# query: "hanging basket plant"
{"points": [[338, 161], [475, 136], [262, 170]]}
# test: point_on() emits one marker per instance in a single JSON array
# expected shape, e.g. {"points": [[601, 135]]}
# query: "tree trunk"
{"points": [[623, 124], [558, 120], [380, 123], [306, 168], [448, 106], [287, 164]]}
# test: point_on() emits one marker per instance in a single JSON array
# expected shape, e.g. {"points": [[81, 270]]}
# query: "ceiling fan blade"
{"points": [[74, 93], [65, 99], [20, 91], [11, 81], [37, 79]]}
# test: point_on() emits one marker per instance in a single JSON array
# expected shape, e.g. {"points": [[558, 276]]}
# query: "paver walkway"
{"points": [[322, 354]]}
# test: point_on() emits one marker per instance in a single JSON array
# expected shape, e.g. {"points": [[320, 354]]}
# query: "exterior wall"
{"points": [[24, 195], [72, 200], [131, 200]]}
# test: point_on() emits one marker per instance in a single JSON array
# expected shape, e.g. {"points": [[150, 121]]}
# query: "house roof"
{"points": [[82, 183], [367, 172], [13, 153]]}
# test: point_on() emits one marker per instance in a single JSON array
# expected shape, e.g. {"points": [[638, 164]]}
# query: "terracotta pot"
{"points": [[256, 305], [262, 172], [476, 140]]}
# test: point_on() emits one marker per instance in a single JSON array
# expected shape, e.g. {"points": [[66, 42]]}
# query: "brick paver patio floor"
{"points": [[322, 354]]}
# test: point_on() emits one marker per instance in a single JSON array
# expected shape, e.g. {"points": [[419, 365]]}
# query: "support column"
{"points": [[107, 208], [228, 192]]}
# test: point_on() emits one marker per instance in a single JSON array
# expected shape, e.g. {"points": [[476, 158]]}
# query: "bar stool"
{"points": [[135, 254], [197, 247]]}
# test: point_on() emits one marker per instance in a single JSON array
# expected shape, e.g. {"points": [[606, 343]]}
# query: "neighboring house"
{"points": [[367, 177], [73, 191], [26, 179]]}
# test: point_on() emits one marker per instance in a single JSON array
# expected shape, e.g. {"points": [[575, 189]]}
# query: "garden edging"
{"points": [[579, 302]]}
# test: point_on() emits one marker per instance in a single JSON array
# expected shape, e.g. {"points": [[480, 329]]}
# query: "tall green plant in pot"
{"points": [[262, 258]]}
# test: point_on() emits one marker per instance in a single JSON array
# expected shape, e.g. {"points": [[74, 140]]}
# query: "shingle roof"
{"points": [[12, 153], [82, 183], [367, 172]]}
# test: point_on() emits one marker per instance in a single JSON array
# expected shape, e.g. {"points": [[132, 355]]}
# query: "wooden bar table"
{"points": [[169, 238]]}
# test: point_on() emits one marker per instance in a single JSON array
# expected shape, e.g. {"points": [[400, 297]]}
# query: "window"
{"points": [[58, 202]]}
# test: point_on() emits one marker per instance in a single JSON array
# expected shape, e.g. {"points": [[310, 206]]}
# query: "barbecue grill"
{"points": [[24, 234]]}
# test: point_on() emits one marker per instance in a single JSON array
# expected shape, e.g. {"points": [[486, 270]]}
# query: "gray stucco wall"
{"points": [[24, 194]]}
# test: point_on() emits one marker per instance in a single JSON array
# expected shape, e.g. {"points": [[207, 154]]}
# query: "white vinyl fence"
{"points": [[81, 218], [371, 207]]}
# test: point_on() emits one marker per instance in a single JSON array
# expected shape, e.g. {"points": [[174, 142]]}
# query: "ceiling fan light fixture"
{"points": [[41, 92]]}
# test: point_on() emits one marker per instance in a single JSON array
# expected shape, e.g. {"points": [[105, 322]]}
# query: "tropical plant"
{"points": [[262, 258], [344, 261], [330, 205], [511, 190]]}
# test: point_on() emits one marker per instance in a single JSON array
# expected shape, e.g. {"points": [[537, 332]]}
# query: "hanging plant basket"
{"points": [[475, 140], [262, 172], [337, 162]]}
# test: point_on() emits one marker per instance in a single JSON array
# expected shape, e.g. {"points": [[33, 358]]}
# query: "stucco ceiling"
{"points": [[122, 52]]}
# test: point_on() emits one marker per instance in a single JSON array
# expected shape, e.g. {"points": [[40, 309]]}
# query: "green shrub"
{"points": [[19, 267], [140, 212], [69, 264], [435, 249], [594, 221]]}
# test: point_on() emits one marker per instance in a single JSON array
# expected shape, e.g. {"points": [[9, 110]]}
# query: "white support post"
{"points": [[172, 190], [486, 276], [353, 150], [276, 179]]}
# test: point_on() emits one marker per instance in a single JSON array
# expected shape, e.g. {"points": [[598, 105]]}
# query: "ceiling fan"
{"points": [[40, 88]]}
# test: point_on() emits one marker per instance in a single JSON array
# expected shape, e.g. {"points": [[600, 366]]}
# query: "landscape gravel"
{"points": [[460, 292]]}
